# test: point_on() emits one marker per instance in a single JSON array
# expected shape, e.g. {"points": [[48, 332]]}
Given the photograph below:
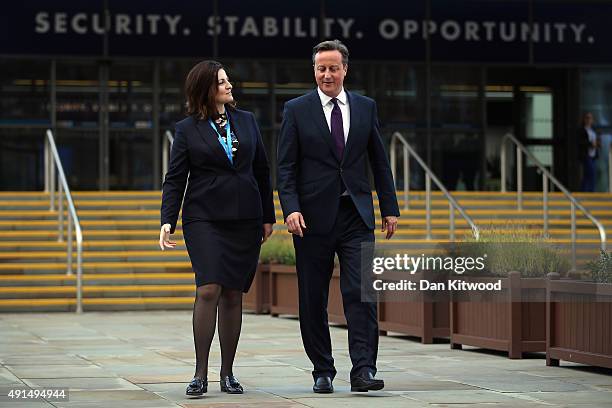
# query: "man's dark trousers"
{"points": [[315, 263]]}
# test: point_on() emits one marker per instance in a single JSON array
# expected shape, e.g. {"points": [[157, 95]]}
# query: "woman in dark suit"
{"points": [[228, 211]]}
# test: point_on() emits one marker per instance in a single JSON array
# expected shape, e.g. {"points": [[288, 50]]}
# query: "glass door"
{"points": [[525, 103], [536, 129]]}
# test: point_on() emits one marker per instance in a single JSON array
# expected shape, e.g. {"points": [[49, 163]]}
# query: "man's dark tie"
{"points": [[337, 129]]}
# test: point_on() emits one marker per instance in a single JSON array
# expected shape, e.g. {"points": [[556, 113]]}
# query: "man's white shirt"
{"points": [[592, 139], [328, 105]]}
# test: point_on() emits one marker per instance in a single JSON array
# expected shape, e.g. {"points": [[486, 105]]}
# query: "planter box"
{"points": [[426, 320], [335, 308], [422, 318], [578, 328], [258, 297], [283, 290], [284, 295], [516, 326]]}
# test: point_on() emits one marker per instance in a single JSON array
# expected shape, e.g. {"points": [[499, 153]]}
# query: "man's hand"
{"points": [[295, 223], [164, 238], [389, 224], [267, 231]]}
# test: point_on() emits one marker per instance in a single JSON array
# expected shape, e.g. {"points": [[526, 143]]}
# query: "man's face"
{"points": [[329, 72], [588, 120]]}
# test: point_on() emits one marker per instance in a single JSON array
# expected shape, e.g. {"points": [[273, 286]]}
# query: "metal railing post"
{"points": [[547, 178], [545, 202], [79, 279], [429, 177], [451, 221], [69, 247], [519, 179], [60, 213], [610, 168], [573, 218], [47, 164], [52, 188], [73, 219], [393, 159], [428, 204], [503, 166], [406, 177], [168, 140]]}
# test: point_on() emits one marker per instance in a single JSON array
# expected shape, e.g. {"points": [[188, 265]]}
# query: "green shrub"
{"points": [[278, 249], [516, 248], [601, 269]]}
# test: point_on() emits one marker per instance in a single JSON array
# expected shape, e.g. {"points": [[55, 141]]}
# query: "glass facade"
{"points": [[596, 97], [453, 87]]}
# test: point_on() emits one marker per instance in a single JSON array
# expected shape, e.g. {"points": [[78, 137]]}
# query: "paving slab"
{"points": [[368, 400], [145, 359], [7, 377], [78, 384], [58, 371], [473, 396], [600, 398]]}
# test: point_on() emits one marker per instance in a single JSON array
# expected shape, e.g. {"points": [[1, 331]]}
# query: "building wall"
{"points": [[452, 79]]}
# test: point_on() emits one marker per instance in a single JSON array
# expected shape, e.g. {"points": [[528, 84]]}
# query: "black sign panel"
{"points": [[513, 31]]}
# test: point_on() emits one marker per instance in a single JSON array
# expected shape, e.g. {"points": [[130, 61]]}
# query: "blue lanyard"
{"points": [[226, 142]]}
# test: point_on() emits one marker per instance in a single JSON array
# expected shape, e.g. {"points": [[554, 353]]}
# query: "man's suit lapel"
{"points": [[210, 137], [355, 114], [316, 110]]}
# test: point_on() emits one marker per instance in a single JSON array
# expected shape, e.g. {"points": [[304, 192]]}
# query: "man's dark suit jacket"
{"points": [[584, 144], [218, 190], [310, 174]]}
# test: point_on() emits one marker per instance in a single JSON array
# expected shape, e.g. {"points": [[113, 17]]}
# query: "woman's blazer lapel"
{"points": [[211, 139]]}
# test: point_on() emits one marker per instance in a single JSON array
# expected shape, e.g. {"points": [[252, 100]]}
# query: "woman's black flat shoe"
{"points": [[197, 386], [230, 384]]}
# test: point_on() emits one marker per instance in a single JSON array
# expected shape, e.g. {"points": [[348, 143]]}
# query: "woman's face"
{"points": [[224, 88]]}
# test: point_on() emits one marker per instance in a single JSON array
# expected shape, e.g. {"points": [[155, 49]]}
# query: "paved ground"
{"points": [[144, 359]]}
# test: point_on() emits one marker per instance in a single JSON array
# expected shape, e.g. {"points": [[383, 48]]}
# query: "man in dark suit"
{"points": [[588, 151], [326, 139]]}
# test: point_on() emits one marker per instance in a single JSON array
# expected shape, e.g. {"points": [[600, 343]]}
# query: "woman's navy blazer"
{"points": [[217, 189]]}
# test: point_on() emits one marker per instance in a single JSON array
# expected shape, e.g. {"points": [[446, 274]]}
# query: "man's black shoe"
{"points": [[197, 387], [366, 382], [323, 385]]}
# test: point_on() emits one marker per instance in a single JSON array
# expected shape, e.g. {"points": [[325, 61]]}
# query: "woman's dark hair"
{"points": [[201, 89]]}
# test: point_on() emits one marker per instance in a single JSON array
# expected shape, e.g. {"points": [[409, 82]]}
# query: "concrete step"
{"points": [[414, 214], [88, 235], [99, 245], [406, 234], [111, 210], [149, 256], [96, 304], [119, 278], [121, 239], [29, 268], [97, 291], [178, 254]]}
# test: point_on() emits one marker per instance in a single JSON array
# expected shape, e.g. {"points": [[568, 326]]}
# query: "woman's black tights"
{"points": [[229, 302]]}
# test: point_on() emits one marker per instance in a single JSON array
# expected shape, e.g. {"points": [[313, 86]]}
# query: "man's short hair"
{"points": [[331, 45]]}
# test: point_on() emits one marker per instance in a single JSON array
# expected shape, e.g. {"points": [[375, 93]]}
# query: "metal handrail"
{"points": [[168, 141], [429, 175], [53, 163], [610, 168], [546, 175]]}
